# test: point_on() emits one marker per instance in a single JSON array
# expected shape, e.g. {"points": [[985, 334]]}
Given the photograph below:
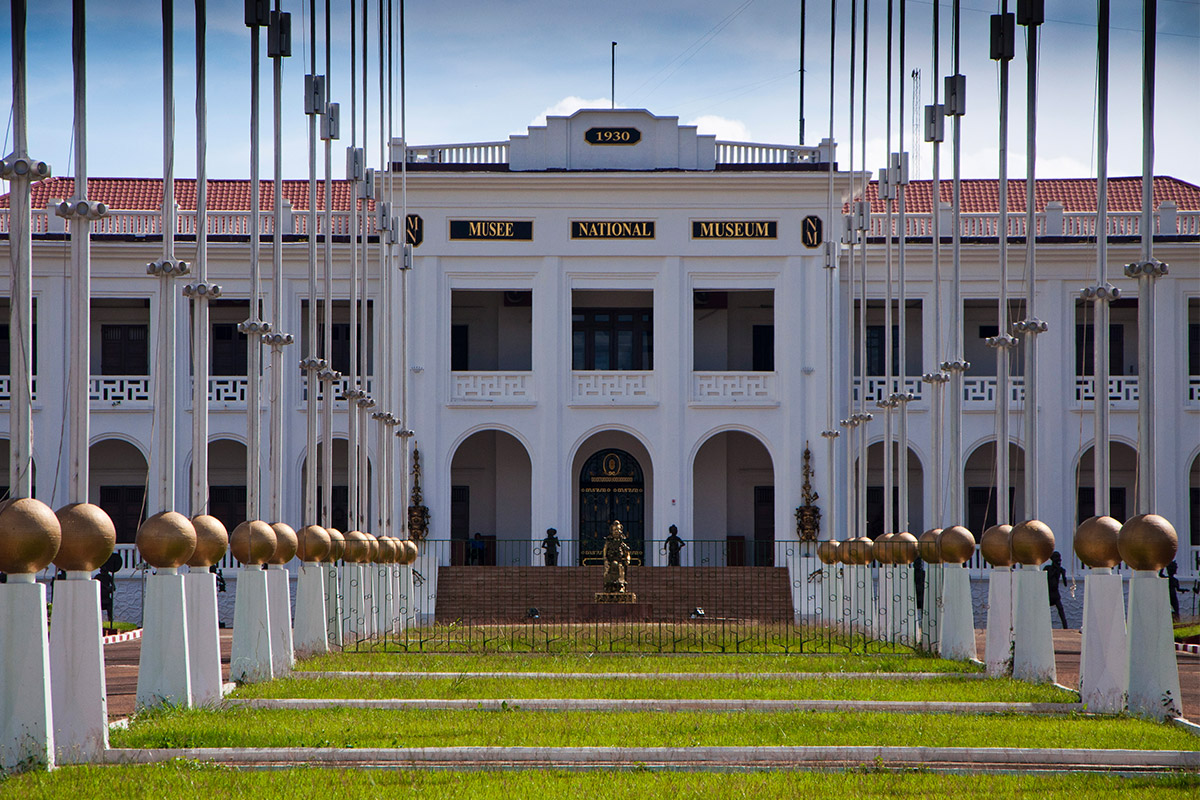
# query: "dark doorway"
{"points": [[610, 487], [228, 504], [981, 508], [764, 526], [1087, 503], [126, 506], [460, 523], [763, 343]]}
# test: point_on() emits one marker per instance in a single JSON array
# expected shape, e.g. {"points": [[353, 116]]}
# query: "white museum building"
{"points": [[616, 316]]}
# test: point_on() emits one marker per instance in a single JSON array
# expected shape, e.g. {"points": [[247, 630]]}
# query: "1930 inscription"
{"points": [[491, 230], [612, 136], [612, 229], [731, 229]]}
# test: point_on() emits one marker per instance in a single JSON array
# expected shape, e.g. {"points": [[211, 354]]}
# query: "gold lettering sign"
{"points": [[624, 136], [810, 231], [612, 229], [414, 230], [734, 229], [491, 230]]}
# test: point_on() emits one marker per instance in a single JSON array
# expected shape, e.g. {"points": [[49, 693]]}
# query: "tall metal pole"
{"points": [[902, 397], [200, 292], [956, 365], [1030, 15], [382, 325], [803, 20], [314, 106], [864, 223], [364, 400], [850, 423], [887, 187], [935, 133], [1102, 293], [1147, 271], [254, 327], [353, 174], [1003, 44], [831, 433], [328, 376], [406, 426], [166, 268], [277, 338]]}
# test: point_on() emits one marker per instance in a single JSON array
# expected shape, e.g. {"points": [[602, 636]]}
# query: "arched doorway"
{"points": [[1122, 477], [491, 495], [875, 490], [117, 483], [733, 502], [611, 487], [979, 482]]}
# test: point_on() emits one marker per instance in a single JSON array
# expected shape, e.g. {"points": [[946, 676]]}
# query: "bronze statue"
{"points": [[418, 513], [808, 515], [616, 558]]}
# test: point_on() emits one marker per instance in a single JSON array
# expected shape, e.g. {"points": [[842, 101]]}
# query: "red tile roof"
{"points": [[981, 195], [145, 194]]}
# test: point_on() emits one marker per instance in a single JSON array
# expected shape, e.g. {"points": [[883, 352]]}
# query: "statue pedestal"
{"points": [[1103, 657], [309, 627], [614, 612], [957, 641], [251, 658], [279, 600], [26, 726], [164, 670], [627, 598], [333, 605], [1033, 644]]}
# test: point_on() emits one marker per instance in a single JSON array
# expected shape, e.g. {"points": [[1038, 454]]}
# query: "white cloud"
{"points": [[568, 106], [729, 130]]}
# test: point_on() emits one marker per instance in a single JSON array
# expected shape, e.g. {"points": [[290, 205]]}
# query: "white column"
{"points": [[77, 671], [26, 726], [251, 657], [1153, 670], [861, 588], [355, 621], [903, 614], [1104, 653], [957, 641], [932, 611], [164, 671], [1033, 645], [998, 646], [279, 601], [204, 639], [333, 604], [311, 633]]}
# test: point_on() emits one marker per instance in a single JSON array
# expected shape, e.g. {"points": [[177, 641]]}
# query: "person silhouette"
{"points": [[1056, 575], [550, 547]]}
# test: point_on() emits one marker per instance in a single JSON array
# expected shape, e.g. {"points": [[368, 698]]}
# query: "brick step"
{"points": [[566, 594]]}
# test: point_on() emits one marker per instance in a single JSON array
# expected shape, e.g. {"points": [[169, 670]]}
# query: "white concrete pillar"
{"points": [[1033, 645], [164, 670], [26, 707], [77, 671], [883, 612], [998, 651], [931, 613], [355, 622], [309, 630], [957, 641], [1104, 653], [333, 604], [250, 661], [204, 639], [1153, 670], [902, 605], [279, 600], [861, 588]]}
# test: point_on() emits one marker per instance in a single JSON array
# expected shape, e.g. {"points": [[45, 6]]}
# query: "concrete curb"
{"points": [[128, 636], [1194, 649], [674, 676], [679, 758], [608, 704]]}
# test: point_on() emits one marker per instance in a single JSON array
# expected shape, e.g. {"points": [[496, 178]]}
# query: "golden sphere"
{"points": [[860, 551], [392, 547], [904, 548], [1032, 542], [358, 547], [373, 543], [956, 545], [1096, 542], [996, 546], [927, 546], [166, 540], [827, 551], [337, 544], [1148, 542], [408, 552], [30, 535], [313, 543], [286, 543], [253, 542], [88, 537], [212, 541], [884, 547]]}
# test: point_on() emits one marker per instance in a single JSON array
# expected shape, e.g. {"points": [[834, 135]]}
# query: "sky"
{"points": [[480, 70]]}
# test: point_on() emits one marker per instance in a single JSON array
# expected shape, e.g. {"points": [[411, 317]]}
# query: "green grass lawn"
{"points": [[945, 689], [184, 780], [1182, 631], [386, 728], [372, 661]]}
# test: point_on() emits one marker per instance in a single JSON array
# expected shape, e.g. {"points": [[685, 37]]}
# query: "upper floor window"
{"points": [[124, 350], [606, 339]]}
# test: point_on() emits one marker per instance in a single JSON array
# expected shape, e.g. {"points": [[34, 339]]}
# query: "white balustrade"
{"points": [[1074, 224], [879, 389], [492, 387], [752, 153], [982, 389], [733, 387], [6, 388], [340, 387], [613, 387], [119, 389], [229, 389], [1193, 396], [1121, 388], [469, 153]]}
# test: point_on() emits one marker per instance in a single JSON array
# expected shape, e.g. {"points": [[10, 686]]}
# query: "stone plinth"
{"points": [[623, 611]]}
